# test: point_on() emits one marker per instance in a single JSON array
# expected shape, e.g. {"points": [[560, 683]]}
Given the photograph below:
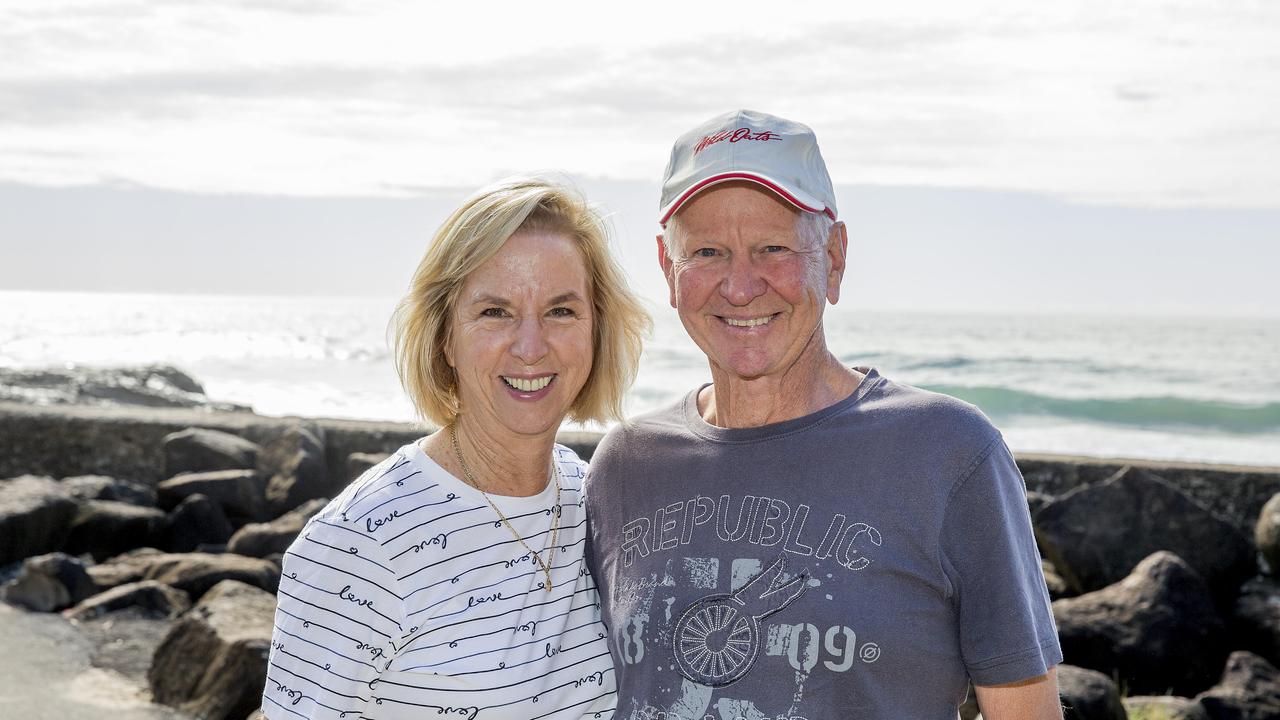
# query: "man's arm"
{"points": [[1031, 699]]}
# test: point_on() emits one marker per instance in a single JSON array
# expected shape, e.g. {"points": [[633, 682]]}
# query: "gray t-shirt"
{"points": [[863, 561]]}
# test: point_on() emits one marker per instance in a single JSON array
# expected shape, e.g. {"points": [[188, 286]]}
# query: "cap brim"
{"points": [[801, 201]]}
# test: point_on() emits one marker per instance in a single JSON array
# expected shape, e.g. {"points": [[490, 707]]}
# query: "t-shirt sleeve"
{"points": [[989, 555], [338, 617]]}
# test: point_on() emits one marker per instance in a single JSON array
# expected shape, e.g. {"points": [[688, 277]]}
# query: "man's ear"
{"points": [[837, 252], [668, 269]]}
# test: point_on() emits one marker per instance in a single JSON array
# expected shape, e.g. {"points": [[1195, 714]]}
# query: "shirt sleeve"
{"points": [[338, 618], [989, 555]]}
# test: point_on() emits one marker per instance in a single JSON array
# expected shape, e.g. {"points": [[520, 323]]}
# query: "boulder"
{"points": [[155, 600], [1157, 630], [1096, 535], [106, 528], [49, 582], [358, 463], [101, 487], [1266, 533], [1164, 707], [1088, 695], [213, 662], [1057, 586], [240, 493], [35, 517], [1249, 690], [194, 573], [263, 539], [295, 464], [196, 521], [1037, 501], [1255, 620], [203, 450]]}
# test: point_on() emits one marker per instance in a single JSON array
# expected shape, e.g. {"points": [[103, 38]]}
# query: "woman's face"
{"points": [[521, 336]]}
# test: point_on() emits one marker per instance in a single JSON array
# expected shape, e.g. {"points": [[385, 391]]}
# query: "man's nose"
{"points": [[743, 282], [530, 344]]}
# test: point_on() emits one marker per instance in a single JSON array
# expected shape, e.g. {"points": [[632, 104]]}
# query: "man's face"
{"points": [[749, 290]]}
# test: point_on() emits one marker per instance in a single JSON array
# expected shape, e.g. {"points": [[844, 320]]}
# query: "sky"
{"points": [[1078, 155]]}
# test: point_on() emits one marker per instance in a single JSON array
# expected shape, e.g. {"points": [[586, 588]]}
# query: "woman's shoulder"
{"points": [[572, 468]]}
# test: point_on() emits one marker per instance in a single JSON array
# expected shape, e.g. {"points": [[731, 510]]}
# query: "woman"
{"points": [[449, 580]]}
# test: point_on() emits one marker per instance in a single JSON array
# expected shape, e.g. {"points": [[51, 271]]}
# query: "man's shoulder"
{"points": [[927, 412]]}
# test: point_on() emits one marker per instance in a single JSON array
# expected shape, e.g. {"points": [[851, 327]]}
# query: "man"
{"points": [[802, 539]]}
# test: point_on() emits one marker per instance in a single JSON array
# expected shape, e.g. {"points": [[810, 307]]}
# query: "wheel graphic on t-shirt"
{"points": [[717, 638]]}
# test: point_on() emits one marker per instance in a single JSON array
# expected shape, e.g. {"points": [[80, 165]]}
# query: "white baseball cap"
{"points": [[779, 154]]}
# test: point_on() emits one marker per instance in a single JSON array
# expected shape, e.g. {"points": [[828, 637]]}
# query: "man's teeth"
{"points": [[749, 323], [527, 385]]}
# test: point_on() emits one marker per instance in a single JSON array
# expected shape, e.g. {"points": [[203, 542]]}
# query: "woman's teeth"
{"points": [[528, 385]]}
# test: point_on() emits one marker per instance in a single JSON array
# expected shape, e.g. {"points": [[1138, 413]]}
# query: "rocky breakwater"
{"points": [[172, 582], [154, 537]]}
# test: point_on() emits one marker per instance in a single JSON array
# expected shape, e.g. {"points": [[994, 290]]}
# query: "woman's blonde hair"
{"points": [[474, 233]]}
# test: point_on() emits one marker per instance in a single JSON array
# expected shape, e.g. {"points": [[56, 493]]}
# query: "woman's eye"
{"points": [[562, 312], [493, 312]]}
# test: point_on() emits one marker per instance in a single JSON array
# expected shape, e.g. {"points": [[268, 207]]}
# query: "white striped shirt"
{"points": [[407, 598]]}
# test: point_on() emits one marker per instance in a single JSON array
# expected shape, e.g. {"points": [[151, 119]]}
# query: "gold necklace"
{"points": [[555, 511]]}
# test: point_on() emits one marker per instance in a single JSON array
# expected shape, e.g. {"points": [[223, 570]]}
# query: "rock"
{"points": [[1249, 690], [213, 662], [1037, 501], [1156, 630], [155, 600], [1164, 707], [1088, 695], [101, 487], [295, 463], [1057, 586], [240, 493], [35, 517], [197, 450], [196, 521], [1255, 620], [1266, 533], [49, 582], [358, 463], [263, 539], [193, 572], [106, 527], [1096, 535]]}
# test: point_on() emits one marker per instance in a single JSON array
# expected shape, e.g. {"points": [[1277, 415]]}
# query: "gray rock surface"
{"points": [[197, 521], [1088, 695], [1096, 535], [1255, 620], [101, 487], [151, 598], [104, 528], [213, 662], [1164, 707], [1249, 690], [49, 582], [263, 539], [204, 450], [59, 673], [1157, 630], [35, 517], [295, 464], [240, 493], [194, 573]]}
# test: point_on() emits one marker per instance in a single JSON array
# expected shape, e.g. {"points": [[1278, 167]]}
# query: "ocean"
{"points": [[1165, 388]]}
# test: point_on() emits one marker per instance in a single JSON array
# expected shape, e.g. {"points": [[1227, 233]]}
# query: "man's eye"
{"points": [[774, 248], [704, 252]]}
